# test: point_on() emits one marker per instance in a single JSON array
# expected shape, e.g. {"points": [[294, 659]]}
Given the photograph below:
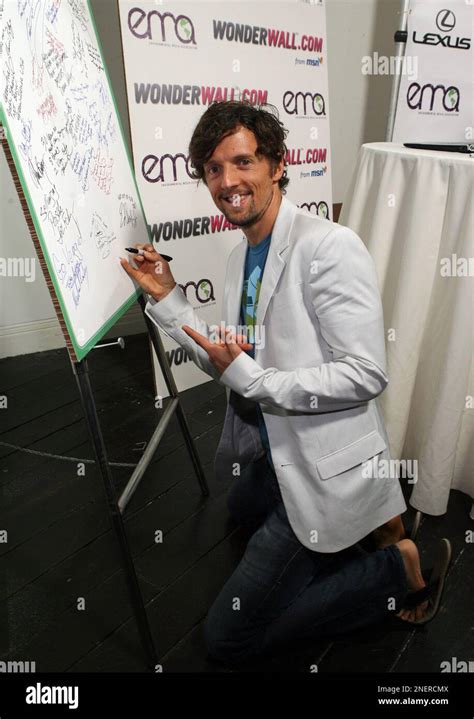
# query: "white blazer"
{"points": [[316, 377]]}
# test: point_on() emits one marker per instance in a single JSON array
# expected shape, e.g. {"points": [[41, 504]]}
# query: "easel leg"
{"points": [[82, 376], [173, 390]]}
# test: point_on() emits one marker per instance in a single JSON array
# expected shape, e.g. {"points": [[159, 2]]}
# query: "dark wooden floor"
{"points": [[60, 546]]}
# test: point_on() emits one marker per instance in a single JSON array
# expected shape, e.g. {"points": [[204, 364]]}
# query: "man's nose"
{"points": [[229, 177]]}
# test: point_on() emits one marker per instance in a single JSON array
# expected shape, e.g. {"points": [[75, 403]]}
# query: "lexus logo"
{"points": [[445, 20]]}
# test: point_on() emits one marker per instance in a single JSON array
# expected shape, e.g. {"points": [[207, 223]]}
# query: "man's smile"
{"points": [[236, 199]]}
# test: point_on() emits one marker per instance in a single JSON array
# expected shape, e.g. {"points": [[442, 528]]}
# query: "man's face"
{"points": [[241, 183]]}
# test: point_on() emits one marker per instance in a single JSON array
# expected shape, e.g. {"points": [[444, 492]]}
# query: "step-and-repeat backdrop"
{"points": [[179, 57]]}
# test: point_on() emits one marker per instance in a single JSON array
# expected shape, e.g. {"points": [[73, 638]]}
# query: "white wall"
{"points": [[358, 103], [358, 106]]}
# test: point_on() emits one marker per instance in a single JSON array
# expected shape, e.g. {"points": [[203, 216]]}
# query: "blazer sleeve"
{"points": [[170, 314], [341, 285]]}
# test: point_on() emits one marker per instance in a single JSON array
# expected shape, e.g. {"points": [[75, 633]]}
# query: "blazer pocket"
{"points": [[351, 455], [287, 295]]}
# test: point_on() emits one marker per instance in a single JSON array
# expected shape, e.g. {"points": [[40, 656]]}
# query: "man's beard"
{"points": [[249, 220]]}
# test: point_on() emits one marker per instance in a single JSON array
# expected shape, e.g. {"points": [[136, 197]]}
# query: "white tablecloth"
{"points": [[412, 208]]}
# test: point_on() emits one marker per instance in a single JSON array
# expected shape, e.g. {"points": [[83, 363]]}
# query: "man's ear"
{"points": [[278, 170]]}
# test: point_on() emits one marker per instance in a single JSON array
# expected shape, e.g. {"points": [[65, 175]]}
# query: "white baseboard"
{"points": [[45, 335]]}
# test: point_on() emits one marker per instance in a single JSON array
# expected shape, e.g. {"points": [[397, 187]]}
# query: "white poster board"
{"points": [[67, 146]]}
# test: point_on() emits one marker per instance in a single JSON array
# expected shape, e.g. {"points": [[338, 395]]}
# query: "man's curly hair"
{"points": [[223, 118]]}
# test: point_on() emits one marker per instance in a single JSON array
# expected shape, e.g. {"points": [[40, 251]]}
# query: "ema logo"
{"points": [[39, 694], [449, 97], [445, 22], [316, 208], [141, 26], [292, 103], [153, 167], [203, 290]]}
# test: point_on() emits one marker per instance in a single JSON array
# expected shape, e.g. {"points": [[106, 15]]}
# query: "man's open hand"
{"points": [[222, 352]]}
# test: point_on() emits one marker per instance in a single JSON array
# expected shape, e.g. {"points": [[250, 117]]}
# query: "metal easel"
{"points": [[116, 505]]}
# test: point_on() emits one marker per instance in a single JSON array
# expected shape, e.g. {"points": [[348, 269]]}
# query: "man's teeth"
{"points": [[236, 198]]}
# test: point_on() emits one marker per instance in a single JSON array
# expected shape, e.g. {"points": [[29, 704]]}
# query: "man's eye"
{"points": [[245, 162], [211, 170]]}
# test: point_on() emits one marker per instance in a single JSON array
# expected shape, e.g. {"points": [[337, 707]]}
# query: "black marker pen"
{"points": [[142, 252]]}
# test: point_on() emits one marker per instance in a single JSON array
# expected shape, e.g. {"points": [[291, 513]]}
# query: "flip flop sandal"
{"points": [[434, 589]]}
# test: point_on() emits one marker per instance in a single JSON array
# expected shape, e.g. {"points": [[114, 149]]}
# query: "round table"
{"points": [[414, 211]]}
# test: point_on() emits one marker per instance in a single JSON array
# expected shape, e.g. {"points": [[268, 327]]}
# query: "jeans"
{"points": [[282, 592]]}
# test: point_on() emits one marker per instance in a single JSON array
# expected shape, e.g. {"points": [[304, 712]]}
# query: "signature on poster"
{"points": [[79, 53], [35, 167], [100, 89], [71, 268], [79, 127], [104, 126], [79, 12], [37, 74], [95, 56], [28, 10], [47, 109], [127, 210], [101, 235], [108, 133], [76, 279], [52, 9], [80, 165], [58, 147], [12, 98], [55, 61], [60, 268], [53, 212], [102, 171]]}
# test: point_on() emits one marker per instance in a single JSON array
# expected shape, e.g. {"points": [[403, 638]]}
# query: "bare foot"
{"points": [[389, 533], [411, 560]]}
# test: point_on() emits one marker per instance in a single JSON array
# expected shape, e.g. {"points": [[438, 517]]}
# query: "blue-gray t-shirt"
{"points": [[253, 274]]}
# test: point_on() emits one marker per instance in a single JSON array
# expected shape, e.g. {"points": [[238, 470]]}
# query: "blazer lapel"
{"points": [[233, 288], [276, 261], [273, 267]]}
